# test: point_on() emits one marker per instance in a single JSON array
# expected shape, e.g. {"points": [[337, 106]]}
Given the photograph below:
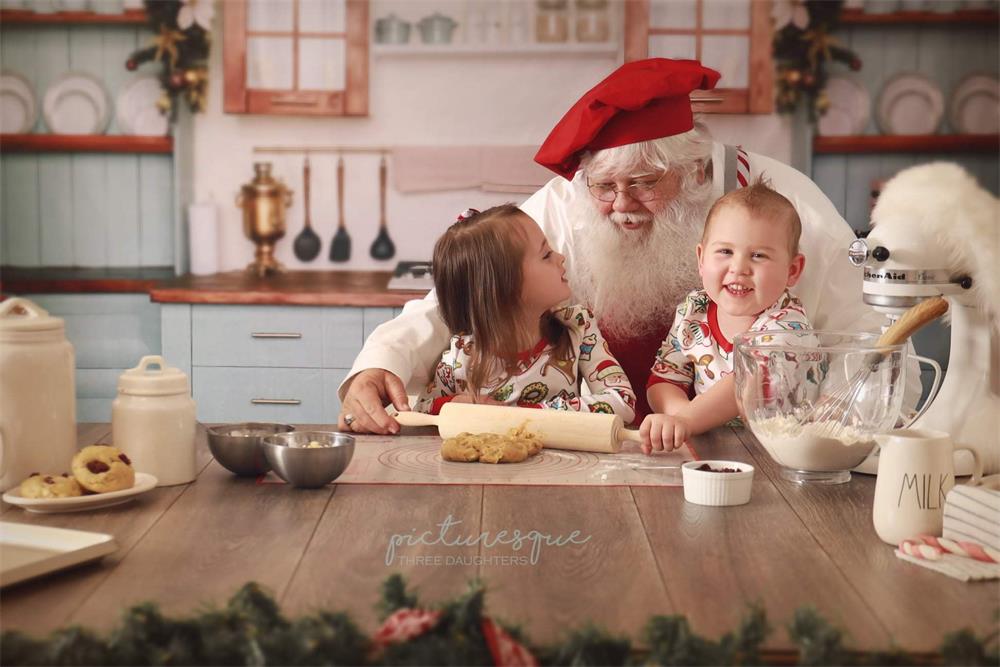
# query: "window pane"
{"points": [[322, 64], [728, 55], [672, 14], [270, 15], [671, 46], [269, 63], [322, 15], [730, 14]]}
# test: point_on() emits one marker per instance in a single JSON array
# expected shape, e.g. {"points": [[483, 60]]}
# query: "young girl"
{"points": [[499, 285], [748, 258]]}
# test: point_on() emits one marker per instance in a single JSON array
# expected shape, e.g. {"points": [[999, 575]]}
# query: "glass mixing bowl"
{"points": [[816, 399]]}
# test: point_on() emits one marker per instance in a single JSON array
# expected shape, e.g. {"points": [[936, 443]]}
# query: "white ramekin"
{"points": [[702, 487]]}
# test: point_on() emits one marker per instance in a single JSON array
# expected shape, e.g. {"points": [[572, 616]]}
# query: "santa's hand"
{"points": [[663, 432], [363, 411]]}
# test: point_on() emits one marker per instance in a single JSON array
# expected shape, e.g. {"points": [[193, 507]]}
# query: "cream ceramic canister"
{"points": [[37, 393], [916, 469], [153, 421]]}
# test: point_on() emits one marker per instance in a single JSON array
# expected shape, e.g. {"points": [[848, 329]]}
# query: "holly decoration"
{"points": [[180, 44], [251, 630], [803, 48]]}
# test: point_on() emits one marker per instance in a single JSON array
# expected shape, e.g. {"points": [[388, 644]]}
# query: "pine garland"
{"points": [[250, 630]]}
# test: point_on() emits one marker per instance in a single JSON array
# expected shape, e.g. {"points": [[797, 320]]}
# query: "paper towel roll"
{"points": [[203, 237]]}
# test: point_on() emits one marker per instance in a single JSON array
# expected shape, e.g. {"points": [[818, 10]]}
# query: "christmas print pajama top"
{"points": [[696, 355], [542, 381]]}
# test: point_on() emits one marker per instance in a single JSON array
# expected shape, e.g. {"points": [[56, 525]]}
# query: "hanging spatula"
{"points": [[340, 249], [383, 247], [307, 244]]}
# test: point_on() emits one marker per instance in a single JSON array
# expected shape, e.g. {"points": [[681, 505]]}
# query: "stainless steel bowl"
{"points": [[237, 447], [294, 461]]}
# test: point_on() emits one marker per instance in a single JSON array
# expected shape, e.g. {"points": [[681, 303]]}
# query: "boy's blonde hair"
{"points": [[759, 199]]}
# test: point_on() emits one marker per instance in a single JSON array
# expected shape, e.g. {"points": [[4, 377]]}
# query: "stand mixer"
{"points": [[919, 248]]}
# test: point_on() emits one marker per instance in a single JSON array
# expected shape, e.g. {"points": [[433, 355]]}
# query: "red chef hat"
{"points": [[639, 101]]}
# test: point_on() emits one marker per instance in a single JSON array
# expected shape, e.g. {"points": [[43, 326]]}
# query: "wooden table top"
{"points": [[649, 553]]}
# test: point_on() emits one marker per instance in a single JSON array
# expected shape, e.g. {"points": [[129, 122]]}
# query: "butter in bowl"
{"points": [[717, 483], [309, 459]]}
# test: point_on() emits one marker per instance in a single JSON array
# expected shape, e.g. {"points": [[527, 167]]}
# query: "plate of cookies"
{"points": [[101, 476]]}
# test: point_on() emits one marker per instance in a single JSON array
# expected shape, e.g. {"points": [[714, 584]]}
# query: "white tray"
{"points": [[28, 551]]}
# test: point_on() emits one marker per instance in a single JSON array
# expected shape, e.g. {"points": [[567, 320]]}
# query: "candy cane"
{"points": [[965, 549], [919, 550]]}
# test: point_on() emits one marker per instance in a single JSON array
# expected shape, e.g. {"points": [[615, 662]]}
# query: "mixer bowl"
{"points": [[816, 399]]}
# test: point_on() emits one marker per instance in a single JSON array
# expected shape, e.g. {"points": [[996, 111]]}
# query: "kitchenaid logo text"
{"points": [[885, 275], [532, 540]]}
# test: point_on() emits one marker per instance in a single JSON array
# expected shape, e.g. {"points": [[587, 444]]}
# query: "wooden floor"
{"points": [[648, 553]]}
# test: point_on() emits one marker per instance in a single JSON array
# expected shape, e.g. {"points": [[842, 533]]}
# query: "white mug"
{"points": [[916, 469]]}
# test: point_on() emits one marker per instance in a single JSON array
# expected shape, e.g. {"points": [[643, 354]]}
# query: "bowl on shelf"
{"points": [[309, 459], [816, 399], [238, 447]]}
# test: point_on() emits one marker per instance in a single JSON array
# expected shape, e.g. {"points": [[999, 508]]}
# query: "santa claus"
{"points": [[637, 175]]}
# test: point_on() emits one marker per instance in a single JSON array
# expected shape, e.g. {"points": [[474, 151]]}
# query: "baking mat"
{"points": [[416, 460]]}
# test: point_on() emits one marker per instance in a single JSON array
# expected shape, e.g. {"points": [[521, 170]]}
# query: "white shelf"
{"points": [[499, 50]]}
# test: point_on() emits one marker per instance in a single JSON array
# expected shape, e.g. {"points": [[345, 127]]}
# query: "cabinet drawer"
{"points": [[256, 336], [289, 395]]}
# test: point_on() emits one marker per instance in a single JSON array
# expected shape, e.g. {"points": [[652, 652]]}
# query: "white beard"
{"points": [[634, 280]]}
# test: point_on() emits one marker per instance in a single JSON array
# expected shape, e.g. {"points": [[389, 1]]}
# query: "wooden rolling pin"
{"points": [[558, 429]]}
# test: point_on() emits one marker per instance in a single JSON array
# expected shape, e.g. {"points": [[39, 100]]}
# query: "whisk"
{"points": [[832, 413]]}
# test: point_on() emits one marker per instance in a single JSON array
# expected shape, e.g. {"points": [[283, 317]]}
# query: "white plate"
{"points": [[910, 104], [850, 108], [28, 551], [76, 103], [18, 107], [143, 482], [975, 105], [136, 109]]}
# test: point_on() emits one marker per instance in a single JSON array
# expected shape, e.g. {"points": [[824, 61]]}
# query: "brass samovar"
{"points": [[264, 200]]}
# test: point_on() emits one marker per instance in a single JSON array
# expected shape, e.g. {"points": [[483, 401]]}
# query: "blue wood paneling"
{"points": [[89, 210]]}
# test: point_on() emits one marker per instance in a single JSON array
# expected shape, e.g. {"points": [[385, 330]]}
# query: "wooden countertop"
{"points": [[302, 288], [650, 553], [291, 288]]}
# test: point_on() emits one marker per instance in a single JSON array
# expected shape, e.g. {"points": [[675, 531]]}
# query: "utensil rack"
{"points": [[335, 150]]}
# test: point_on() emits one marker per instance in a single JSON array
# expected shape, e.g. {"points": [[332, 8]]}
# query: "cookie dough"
{"points": [[516, 446], [103, 468], [50, 486]]}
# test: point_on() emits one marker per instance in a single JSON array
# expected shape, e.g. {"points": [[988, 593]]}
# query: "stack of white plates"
{"points": [[975, 105], [76, 103], [849, 110], [910, 104], [136, 109], [18, 108]]}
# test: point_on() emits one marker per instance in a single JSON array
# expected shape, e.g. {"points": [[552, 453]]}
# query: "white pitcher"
{"points": [[37, 393], [916, 469]]}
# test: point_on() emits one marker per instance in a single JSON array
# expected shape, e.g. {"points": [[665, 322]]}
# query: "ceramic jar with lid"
{"points": [[153, 421], [552, 21], [592, 21], [37, 393]]}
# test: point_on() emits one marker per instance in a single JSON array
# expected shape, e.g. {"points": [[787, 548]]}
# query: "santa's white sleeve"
{"points": [[409, 346], [830, 288]]}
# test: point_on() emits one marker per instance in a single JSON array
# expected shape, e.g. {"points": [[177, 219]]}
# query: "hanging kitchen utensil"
{"points": [[383, 247], [307, 243], [340, 249]]}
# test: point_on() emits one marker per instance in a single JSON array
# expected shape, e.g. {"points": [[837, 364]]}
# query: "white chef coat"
{"points": [[410, 345]]}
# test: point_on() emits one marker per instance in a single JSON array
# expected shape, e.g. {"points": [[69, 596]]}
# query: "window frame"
{"points": [[238, 98], [757, 97]]}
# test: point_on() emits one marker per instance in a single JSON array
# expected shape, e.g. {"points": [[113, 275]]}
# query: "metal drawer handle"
{"points": [[275, 401], [268, 334]]}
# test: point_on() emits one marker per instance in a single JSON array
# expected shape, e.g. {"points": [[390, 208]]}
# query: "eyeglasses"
{"points": [[643, 191]]}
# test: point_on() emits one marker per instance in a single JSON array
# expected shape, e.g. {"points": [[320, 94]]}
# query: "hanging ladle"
{"points": [[383, 247], [307, 243]]}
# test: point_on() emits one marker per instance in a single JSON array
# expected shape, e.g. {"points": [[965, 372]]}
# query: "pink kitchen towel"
{"points": [[512, 169], [490, 168]]}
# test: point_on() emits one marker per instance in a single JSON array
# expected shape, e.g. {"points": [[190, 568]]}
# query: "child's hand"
{"points": [[663, 432]]}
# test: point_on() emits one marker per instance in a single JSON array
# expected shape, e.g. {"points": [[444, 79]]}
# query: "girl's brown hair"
{"points": [[478, 278]]}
